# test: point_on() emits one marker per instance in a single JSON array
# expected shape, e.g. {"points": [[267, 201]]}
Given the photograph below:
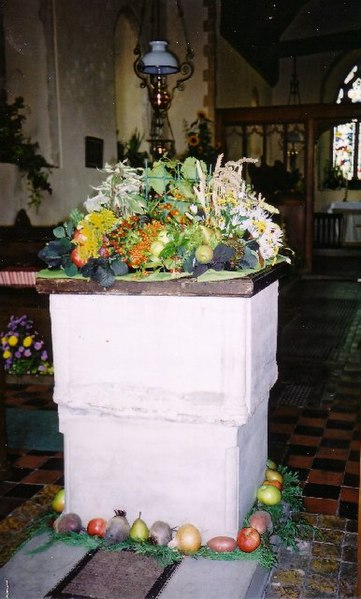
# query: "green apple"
{"points": [[268, 495], [59, 501], [204, 254]]}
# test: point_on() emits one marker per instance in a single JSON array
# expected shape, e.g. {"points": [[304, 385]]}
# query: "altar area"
{"points": [[351, 221]]}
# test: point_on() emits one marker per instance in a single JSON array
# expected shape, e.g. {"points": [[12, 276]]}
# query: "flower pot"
{"points": [[29, 379]]}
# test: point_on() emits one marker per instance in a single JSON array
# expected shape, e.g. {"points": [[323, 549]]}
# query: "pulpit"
{"points": [[162, 391]]}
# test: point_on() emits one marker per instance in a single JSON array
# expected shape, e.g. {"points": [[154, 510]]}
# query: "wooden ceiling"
{"points": [[263, 31]]}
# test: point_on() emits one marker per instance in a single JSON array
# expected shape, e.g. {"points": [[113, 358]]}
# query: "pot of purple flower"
{"points": [[24, 353]]}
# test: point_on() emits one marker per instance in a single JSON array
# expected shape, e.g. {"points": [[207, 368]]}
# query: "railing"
{"points": [[327, 230]]}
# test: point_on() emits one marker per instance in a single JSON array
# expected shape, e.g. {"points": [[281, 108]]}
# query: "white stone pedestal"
{"points": [[163, 399]]}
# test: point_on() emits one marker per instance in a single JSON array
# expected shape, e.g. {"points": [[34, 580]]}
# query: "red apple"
{"points": [[248, 539], [79, 237], [96, 527], [76, 259]]}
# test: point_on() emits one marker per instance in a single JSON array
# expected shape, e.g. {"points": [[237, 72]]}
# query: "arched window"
{"points": [[347, 137]]}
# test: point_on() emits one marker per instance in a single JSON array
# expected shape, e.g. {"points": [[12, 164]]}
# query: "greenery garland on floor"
{"points": [[288, 527]]}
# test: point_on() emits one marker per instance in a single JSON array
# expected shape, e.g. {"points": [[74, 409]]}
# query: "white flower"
{"points": [[95, 203], [270, 241]]}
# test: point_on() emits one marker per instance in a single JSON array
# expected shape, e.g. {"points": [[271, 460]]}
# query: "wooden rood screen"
{"points": [[283, 133]]}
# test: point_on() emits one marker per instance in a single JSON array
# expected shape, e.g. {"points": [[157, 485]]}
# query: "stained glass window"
{"points": [[346, 137]]}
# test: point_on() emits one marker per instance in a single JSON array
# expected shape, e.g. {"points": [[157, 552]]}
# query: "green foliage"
{"points": [[199, 140], [169, 175], [333, 177], [130, 151], [16, 148]]}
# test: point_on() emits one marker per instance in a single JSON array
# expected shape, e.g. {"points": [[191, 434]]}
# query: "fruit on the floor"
{"points": [[139, 531], [118, 528], [268, 495], [261, 521], [187, 539], [274, 475], [160, 533], [96, 527], [248, 539], [275, 483], [222, 544], [271, 464], [68, 523], [59, 501]]}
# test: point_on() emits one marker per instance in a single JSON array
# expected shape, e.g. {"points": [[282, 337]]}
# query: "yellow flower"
{"points": [[13, 340], [4, 340], [104, 219], [6, 354], [27, 341]]}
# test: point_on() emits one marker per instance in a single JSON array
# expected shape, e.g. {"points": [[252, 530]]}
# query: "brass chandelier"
{"points": [[153, 69]]}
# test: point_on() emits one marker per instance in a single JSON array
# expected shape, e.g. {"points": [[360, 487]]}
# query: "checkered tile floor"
{"points": [[313, 428], [318, 434]]}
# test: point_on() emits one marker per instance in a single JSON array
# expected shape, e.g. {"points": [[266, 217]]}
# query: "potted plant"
{"points": [[16, 148]]}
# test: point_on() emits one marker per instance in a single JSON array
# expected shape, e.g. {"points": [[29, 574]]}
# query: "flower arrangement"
{"points": [[199, 139], [23, 350], [167, 220]]}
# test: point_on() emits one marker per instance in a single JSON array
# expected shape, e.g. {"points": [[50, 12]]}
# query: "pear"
{"points": [[139, 530]]}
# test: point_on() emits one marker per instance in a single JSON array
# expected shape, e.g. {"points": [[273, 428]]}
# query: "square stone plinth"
{"points": [[163, 401]]}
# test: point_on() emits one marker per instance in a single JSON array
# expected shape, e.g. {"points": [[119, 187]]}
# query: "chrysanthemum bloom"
{"points": [[13, 340], [6, 354]]}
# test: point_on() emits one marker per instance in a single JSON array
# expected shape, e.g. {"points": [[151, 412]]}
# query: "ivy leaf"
{"points": [[59, 232], [103, 275], [54, 252], [69, 229], [253, 245], [222, 254], [250, 259], [70, 269], [200, 269], [119, 267], [99, 270], [189, 263]]}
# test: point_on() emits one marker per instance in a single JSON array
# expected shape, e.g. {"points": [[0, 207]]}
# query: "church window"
{"points": [[347, 136]]}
